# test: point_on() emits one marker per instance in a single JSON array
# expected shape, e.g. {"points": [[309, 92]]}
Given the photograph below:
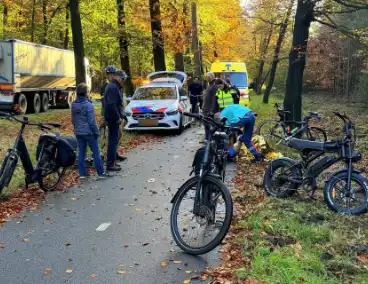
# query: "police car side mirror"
{"points": [[128, 99]]}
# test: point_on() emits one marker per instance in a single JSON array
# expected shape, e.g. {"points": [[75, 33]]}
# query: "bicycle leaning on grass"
{"points": [[54, 155], [280, 131]]}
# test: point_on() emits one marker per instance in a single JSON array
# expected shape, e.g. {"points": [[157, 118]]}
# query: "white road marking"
{"points": [[103, 227]]}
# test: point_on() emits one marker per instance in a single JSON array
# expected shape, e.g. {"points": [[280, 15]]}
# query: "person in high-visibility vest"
{"points": [[224, 97], [234, 91]]}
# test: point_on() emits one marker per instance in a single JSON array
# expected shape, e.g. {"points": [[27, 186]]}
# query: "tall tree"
{"points": [[264, 48], [306, 12], [80, 70], [280, 39], [5, 19], [67, 23], [195, 41], [123, 44], [47, 19], [33, 21], [157, 36]]}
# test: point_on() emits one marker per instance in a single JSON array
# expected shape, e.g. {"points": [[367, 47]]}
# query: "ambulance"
{"points": [[236, 71]]}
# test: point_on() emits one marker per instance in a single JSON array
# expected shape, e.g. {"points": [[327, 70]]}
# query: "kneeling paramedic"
{"points": [[241, 116]]}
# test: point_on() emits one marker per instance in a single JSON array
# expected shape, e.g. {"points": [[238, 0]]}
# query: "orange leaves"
{"points": [[363, 258], [47, 271]]}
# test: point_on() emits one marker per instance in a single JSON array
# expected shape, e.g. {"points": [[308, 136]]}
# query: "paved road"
{"points": [[103, 227]]}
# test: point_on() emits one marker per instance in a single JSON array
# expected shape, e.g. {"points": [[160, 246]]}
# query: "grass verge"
{"points": [[295, 240]]}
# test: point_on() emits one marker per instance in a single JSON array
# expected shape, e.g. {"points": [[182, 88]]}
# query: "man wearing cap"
{"points": [[114, 114], [110, 70]]}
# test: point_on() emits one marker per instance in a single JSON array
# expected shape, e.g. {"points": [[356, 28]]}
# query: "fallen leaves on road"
{"points": [[363, 258], [186, 281], [47, 271], [25, 240], [67, 244], [69, 270], [163, 264], [93, 275], [122, 272], [1, 246], [188, 271], [29, 199], [145, 244], [177, 261]]}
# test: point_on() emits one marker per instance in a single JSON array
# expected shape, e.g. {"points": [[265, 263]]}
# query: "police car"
{"points": [[159, 104]]}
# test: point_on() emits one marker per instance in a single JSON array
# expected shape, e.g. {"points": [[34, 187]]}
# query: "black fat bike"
{"points": [[345, 190]]}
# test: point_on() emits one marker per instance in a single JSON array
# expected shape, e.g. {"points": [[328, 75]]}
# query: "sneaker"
{"points": [[120, 158], [113, 168], [103, 176]]}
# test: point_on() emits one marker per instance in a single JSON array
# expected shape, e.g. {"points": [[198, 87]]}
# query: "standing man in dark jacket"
{"points": [[210, 99], [114, 114], [110, 70], [195, 90]]}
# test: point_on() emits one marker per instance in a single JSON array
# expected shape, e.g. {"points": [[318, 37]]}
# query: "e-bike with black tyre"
{"points": [[345, 190], [202, 207], [54, 155]]}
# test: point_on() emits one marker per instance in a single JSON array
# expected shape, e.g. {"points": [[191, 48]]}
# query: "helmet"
{"points": [[110, 69]]}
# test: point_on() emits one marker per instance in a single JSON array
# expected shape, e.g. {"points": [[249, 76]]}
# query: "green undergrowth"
{"points": [[295, 241]]}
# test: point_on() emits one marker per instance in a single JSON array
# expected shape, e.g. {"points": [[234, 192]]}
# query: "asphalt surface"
{"points": [[111, 231]]}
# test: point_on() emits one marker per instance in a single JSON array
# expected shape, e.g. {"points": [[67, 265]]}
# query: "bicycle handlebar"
{"points": [[25, 121]]}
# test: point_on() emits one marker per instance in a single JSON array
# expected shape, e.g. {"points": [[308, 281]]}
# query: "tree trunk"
{"points": [[67, 20], [123, 44], [45, 23], [33, 21], [5, 20], [264, 48], [157, 36], [195, 41], [294, 83], [80, 70], [280, 39], [179, 61]]}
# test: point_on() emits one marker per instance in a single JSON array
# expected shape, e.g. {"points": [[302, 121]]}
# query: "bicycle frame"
{"points": [[19, 145]]}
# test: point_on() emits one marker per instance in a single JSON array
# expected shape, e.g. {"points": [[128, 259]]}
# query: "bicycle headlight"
{"points": [[172, 112]]}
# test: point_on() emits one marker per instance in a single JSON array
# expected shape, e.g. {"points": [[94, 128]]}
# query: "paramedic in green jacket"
{"points": [[240, 116]]}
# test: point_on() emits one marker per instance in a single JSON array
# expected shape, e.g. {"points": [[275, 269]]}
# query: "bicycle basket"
{"points": [[67, 149], [47, 151]]}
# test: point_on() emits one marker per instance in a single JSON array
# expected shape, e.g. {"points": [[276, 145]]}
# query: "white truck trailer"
{"points": [[34, 77]]}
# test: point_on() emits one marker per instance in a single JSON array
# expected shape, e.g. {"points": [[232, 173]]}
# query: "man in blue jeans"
{"points": [[240, 116], [114, 114], [86, 131]]}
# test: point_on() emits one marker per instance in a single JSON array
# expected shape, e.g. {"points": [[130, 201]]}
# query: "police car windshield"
{"points": [[155, 93]]}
